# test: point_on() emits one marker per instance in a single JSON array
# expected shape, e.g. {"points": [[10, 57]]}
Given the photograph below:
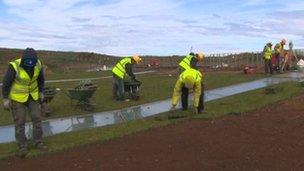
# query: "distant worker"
{"points": [[119, 71], [23, 88], [267, 54], [190, 79], [190, 61], [292, 55], [279, 54]]}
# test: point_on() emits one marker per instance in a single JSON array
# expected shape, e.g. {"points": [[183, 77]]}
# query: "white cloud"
{"points": [[134, 26]]}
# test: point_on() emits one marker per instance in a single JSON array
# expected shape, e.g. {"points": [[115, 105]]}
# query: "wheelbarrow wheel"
{"points": [[135, 97]]}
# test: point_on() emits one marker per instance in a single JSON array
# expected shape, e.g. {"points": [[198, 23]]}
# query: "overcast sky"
{"points": [[156, 27]]}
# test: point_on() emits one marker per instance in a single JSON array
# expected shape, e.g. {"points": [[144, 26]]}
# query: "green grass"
{"points": [[153, 88], [235, 105], [76, 74]]}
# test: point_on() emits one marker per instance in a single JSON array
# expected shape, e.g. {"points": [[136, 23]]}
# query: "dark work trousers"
{"points": [[278, 62], [118, 88], [19, 111], [268, 66], [184, 97]]}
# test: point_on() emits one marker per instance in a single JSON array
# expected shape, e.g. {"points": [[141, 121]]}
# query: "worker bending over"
{"points": [[119, 71], [189, 80]]}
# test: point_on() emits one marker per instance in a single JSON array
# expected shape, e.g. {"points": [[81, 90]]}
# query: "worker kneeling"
{"points": [[119, 71], [190, 79]]}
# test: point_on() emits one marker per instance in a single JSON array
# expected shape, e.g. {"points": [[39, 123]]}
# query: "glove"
{"points": [[41, 97], [134, 79], [7, 104]]}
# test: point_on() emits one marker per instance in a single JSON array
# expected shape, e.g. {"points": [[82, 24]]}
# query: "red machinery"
{"points": [[154, 63]]}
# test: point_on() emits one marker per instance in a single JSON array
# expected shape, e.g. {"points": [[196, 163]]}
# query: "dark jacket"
{"points": [[129, 70], [10, 76], [193, 63]]}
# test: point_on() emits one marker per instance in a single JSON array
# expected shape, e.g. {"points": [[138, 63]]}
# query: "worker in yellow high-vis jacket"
{"points": [[189, 80], [119, 71], [267, 55], [190, 61], [279, 54], [23, 88]]}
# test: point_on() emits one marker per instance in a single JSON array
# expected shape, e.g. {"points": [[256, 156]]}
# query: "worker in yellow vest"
{"points": [[279, 54], [267, 54], [190, 61], [119, 71], [189, 80], [23, 88]]}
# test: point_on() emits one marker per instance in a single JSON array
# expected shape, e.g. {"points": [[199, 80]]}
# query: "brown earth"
{"points": [[271, 138]]}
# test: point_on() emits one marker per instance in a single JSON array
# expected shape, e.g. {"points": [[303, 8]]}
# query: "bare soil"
{"points": [[271, 138]]}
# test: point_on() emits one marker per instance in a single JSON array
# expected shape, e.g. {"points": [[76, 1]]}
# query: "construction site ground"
{"points": [[271, 138]]}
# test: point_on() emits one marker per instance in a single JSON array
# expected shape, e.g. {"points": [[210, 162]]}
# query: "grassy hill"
{"points": [[59, 61]]}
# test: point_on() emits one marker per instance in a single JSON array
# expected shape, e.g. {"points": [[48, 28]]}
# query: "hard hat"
{"points": [[200, 56], [136, 58], [189, 81], [29, 57], [283, 41]]}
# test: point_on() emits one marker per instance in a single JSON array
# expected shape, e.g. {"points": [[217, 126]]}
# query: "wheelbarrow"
{"points": [[49, 93], [83, 94], [132, 89]]}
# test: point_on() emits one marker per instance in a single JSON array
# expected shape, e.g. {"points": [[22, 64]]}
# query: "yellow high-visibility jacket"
{"points": [[120, 68], [24, 86], [197, 89], [185, 63], [279, 49], [267, 52]]}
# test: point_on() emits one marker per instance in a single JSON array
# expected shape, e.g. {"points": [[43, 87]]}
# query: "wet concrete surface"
{"points": [[75, 123]]}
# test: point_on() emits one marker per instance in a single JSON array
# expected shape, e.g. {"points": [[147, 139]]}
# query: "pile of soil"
{"points": [[271, 138]]}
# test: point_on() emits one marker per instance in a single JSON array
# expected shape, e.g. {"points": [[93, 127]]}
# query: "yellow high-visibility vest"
{"points": [[24, 86], [120, 68], [267, 52], [185, 63], [279, 49]]}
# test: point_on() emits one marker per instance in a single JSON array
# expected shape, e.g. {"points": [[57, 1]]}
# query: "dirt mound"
{"points": [[268, 139]]}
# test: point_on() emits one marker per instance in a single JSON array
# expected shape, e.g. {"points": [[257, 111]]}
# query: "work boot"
{"points": [[23, 152], [41, 147]]}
